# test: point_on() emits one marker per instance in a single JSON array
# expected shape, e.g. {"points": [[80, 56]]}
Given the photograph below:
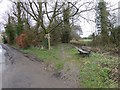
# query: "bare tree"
{"points": [[41, 12]]}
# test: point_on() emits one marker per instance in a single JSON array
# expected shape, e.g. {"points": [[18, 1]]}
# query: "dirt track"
{"points": [[24, 73]]}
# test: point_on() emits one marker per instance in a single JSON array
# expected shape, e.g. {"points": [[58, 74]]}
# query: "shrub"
{"points": [[4, 40], [10, 32], [26, 39], [34, 42], [23, 40], [66, 37]]}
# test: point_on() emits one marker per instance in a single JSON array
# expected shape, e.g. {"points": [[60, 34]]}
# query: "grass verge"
{"points": [[48, 56], [96, 71]]}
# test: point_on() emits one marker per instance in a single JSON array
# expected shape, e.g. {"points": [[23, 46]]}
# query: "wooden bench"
{"points": [[84, 51]]}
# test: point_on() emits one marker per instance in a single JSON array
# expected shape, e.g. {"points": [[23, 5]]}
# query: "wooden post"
{"points": [[48, 40], [47, 36]]}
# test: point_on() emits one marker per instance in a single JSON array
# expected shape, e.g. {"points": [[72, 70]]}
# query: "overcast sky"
{"points": [[87, 28], [90, 28]]}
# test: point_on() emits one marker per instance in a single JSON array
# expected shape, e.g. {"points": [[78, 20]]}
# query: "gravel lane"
{"points": [[24, 73]]}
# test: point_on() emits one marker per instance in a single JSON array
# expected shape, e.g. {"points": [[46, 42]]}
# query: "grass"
{"points": [[48, 56], [87, 40], [94, 70], [81, 41], [44, 54], [92, 73]]}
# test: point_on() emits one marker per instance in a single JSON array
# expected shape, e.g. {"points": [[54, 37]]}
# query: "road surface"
{"points": [[24, 73], [2, 64]]}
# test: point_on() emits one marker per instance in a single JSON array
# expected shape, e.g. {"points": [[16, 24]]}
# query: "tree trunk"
{"points": [[47, 36]]}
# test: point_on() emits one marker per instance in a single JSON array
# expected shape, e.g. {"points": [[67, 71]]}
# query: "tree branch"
{"points": [[28, 12], [66, 18], [47, 11]]}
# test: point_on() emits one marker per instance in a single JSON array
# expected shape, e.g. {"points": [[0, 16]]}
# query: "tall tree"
{"points": [[56, 34], [66, 23], [9, 30], [102, 22], [19, 27], [18, 15]]}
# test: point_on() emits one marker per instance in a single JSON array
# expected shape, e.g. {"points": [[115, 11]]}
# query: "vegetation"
{"points": [[106, 30], [115, 36], [52, 56], [66, 26], [4, 40], [96, 71], [58, 23], [19, 19], [10, 31], [22, 40], [103, 22]]}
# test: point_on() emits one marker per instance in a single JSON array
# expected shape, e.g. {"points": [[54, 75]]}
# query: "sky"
{"points": [[87, 27]]}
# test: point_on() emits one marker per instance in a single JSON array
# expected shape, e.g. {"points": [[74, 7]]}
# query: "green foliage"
{"points": [[66, 24], [4, 40], [10, 32], [19, 28], [66, 37], [102, 22], [56, 34], [19, 19], [115, 35]]}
